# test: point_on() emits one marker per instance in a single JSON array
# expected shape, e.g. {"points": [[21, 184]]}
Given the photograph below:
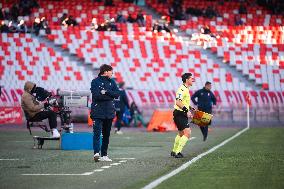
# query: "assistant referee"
{"points": [[181, 114]]}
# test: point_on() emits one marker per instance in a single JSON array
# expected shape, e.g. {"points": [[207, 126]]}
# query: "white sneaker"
{"points": [[55, 133], [97, 157], [119, 132], [105, 158]]}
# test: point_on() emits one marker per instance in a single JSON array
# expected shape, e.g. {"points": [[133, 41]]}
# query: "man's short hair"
{"points": [[207, 83], [185, 76], [105, 68]]}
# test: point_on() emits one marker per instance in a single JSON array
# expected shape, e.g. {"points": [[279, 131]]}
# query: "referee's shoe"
{"points": [[179, 155]]}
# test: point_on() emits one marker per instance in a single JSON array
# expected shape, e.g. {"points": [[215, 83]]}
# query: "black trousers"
{"points": [[101, 126], [50, 115], [204, 129], [118, 123]]}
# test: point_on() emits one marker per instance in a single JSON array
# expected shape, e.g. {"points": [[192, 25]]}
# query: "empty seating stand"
{"points": [[141, 58], [258, 52], [255, 49], [25, 58]]}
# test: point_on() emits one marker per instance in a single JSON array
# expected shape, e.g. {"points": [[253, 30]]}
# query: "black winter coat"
{"points": [[122, 102], [103, 104], [205, 100]]}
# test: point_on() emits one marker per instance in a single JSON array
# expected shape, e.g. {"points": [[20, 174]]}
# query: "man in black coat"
{"points": [[104, 91], [205, 100], [121, 104]]}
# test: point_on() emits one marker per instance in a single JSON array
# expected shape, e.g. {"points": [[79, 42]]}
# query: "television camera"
{"points": [[62, 102]]}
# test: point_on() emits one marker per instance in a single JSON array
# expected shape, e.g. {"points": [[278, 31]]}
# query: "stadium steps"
{"points": [[150, 11], [229, 68], [64, 53]]}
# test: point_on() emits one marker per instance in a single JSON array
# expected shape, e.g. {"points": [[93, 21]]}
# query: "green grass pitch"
{"points": [[253, 160]]}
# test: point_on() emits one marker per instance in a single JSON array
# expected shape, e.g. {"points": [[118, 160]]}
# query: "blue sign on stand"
{"points": [[77, 141]]}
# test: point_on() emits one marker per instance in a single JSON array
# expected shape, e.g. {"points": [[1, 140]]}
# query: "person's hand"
{"points": [[103, 91], [192, 108], [189, 115]]}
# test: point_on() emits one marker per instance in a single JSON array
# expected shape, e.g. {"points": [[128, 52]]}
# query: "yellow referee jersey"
{"points": [[183, 95]]}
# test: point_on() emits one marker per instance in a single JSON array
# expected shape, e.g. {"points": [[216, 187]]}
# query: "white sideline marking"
{"points": [[9, 159], [124, 158], [115, 164], [105, 167], [158, 181], [87, 173], [97, 170], [83, 174]]}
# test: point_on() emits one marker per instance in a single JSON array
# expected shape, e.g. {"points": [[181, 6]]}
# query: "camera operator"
{"points": [[35, 110]]}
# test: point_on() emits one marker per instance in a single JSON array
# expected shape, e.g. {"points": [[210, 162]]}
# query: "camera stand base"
{"points": [[40, 140]]}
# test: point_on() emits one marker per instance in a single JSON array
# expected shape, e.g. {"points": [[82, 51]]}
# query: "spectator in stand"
{"points": [[109, 3], [22, 27], [130, 18], [62, 18], [36, 26], [157, 27], [120, 18], [205, 30], [71, 21], [4, 27], [242, 9], [140, 19], [165, 23], [103, 26], [44, 25], [238, 21], [161, 25], [111, 25], [108, 25], [12, 26], [94, 24]]}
